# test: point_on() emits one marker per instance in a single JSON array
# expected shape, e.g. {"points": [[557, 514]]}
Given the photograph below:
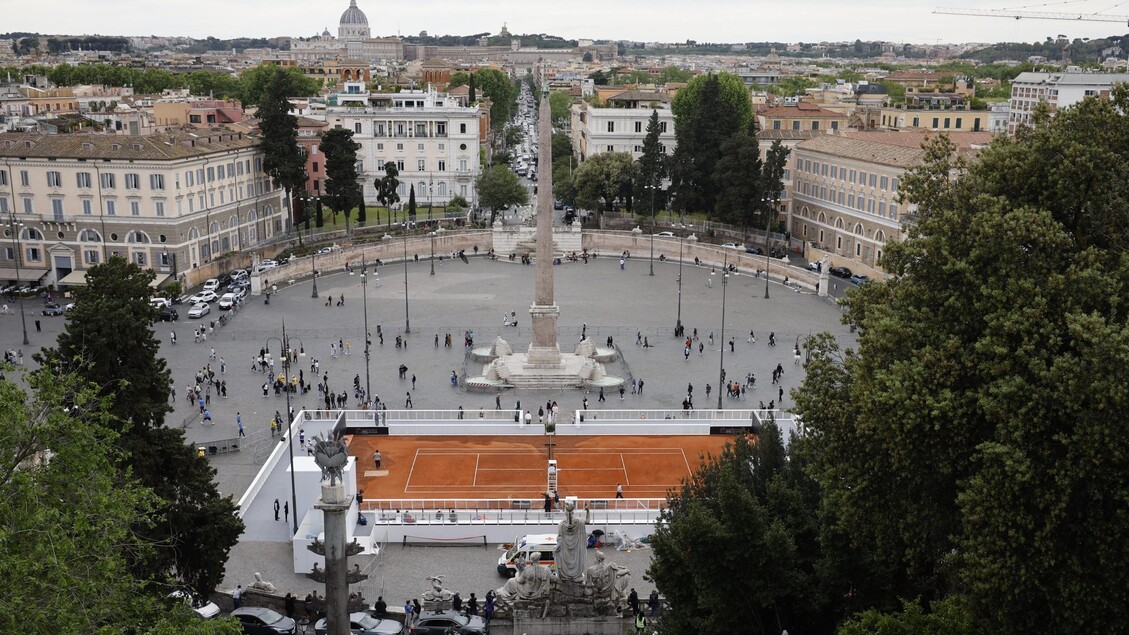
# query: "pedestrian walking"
{"points": [[621, 391], [376, 458], [640, 386], [781, 394], [276, 508], [621, 261], [732, 343], [585, 403], [408, 401], [413, 381], [237, 596], [619, 490], [701, 348], [172, 337], [601, 399]]}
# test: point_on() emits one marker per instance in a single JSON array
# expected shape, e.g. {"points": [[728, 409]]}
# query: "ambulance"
{"points": [[524, 548]]}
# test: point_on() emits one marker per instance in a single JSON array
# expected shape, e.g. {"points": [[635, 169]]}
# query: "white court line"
{"points": [[624, 465], [477, 458], [687, 462], [603, 450], [407, 483]]}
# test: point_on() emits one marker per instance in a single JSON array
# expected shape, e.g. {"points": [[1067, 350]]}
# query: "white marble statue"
{"points": [[532, 582], [572, 541], [607, 579]]}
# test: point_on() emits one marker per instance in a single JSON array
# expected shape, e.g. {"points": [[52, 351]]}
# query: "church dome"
{"points": [[353, 15]]}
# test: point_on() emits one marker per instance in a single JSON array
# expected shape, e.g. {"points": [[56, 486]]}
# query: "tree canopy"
{"points": [[342, 185], [499, 187], [283, 159], [496, 86], [962, 447], [604, 179], [108, 341]]}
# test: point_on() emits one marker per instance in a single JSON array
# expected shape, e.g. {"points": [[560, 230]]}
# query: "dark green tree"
{"points": [[256, 84], [651, 165], [772, 172], [559, 103], [962, 445], [603, 180], [711, 109], [284, 160], [342, 185], [739, 179], [472, 90], [388, 188], [108, 340], [748, 517], [498, 187], [412, 203], [561, 146], [319, 213]]}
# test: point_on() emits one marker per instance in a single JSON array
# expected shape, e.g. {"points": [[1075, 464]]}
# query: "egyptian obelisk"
{"points": [[544, 352]]}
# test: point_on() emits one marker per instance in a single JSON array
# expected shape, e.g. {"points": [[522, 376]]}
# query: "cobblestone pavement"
{"points": [[597, 297]]}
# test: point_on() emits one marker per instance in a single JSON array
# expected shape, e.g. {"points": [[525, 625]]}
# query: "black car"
{"points": [[437, 623], [52, 309], [840, 272], [259, 620], [169, 314]]}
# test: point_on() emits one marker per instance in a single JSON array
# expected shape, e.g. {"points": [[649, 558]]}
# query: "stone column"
{"points": [[544, 352], [333, 504]]}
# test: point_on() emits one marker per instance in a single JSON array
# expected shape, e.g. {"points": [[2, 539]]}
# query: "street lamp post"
{"points": [[407, 315], [368, 342], [678, 320], [284, 345], [16, 233], [430, 226], [314, 272], [767, 251], [652, 188], [721, 363]]}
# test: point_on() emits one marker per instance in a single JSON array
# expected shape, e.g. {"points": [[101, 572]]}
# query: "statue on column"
{"points": [[572, 541]]}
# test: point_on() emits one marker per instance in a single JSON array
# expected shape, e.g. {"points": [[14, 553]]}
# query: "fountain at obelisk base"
{"points": [[544, 366]]}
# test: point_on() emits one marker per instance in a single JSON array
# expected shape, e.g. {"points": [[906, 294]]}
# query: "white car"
{"points": [[732, 246], [227, 301], [160, 303], [664, 235], [203, 297], [267, 265], [212, 284], [199, 310]]}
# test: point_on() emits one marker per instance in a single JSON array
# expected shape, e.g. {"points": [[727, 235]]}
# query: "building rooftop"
{"points": [[181, 144], [895, 149], [800, 110]]}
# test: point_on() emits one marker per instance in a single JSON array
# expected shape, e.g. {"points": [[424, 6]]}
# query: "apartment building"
{"points": [[171, 202], [960, 119], [799, 115], [623, 127], [1058, 90], [844, 191], [435, 142]]}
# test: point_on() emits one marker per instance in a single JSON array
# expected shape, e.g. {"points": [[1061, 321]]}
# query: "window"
{"points": [[91, 256], [211, 174], [935, 120], [109, 182], [834, 171], [959, 122], [220, 172], [862, 178], [159, 207], [3, 177], [357, 128], [380, 165], [815, 125], [57, 208], [54, 179], [611, 148], [947, 120], [132, 181], [87, 207], [135, 208], [834, 125], [883, 182], [83, 179], [442, 189], [421, 165], [380, 146], [240, 167], [188, 178], [419, 147], [662, 127], [25, 178], [315, 167], [795, 125], [157, 181], [638, 126], [873, 179], [139, 258], [852, 178], [894, 184], [462, 128], [851, 199], [823, 169], [33, 254], [191, 205], [611, 126], [462, 165], [442, 165], [29, 207], [400, 165], [776, 125], [881, 208], [111, 208], [399, 146]]}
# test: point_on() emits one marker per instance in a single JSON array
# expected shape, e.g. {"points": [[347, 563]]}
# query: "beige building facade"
{"points": [[170, 202]]}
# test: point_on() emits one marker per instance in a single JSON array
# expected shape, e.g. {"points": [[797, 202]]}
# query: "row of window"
{"points": [[404, 129], [849, 199], [778, 125], [226, 195], [862, 251], [640, 126], [421, 165], [132, 180], [858, 177]]}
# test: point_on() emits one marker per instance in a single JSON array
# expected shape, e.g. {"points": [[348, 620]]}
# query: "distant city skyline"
{"points": [[656, 20]]}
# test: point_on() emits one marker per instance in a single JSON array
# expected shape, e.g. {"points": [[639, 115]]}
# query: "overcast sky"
{"points": [[645, 20]]}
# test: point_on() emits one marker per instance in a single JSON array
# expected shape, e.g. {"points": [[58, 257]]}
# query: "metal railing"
{"points": [[517, 511]]}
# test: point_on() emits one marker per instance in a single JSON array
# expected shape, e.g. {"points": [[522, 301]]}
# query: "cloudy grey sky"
{"points": [[647, 20]]}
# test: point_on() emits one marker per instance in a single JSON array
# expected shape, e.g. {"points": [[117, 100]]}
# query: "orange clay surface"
{"points": [[446, 467]]}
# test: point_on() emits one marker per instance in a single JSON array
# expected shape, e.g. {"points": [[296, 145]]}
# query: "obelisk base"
{"points": [[544, 352]]}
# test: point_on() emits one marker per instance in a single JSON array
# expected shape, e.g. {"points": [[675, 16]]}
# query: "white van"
{"points": [[523, 548], [227, 300], [213, 284]]}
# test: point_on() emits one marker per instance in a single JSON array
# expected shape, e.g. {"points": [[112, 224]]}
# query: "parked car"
{"points": [[52, 309], [241, 283], [858, 278], [160, 303], [731, 246], [664, 235], [69, 307], [753, 250], [203, 297], [840, 272], [227, 301], [199, 310], [212, 284], [437, 623], [202, 607], [814, 266], [267, 265], [168, 314], [363, 624], [259, 620]]}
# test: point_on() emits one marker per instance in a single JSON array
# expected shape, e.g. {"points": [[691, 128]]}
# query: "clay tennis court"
{"points": [[425, 467]]}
